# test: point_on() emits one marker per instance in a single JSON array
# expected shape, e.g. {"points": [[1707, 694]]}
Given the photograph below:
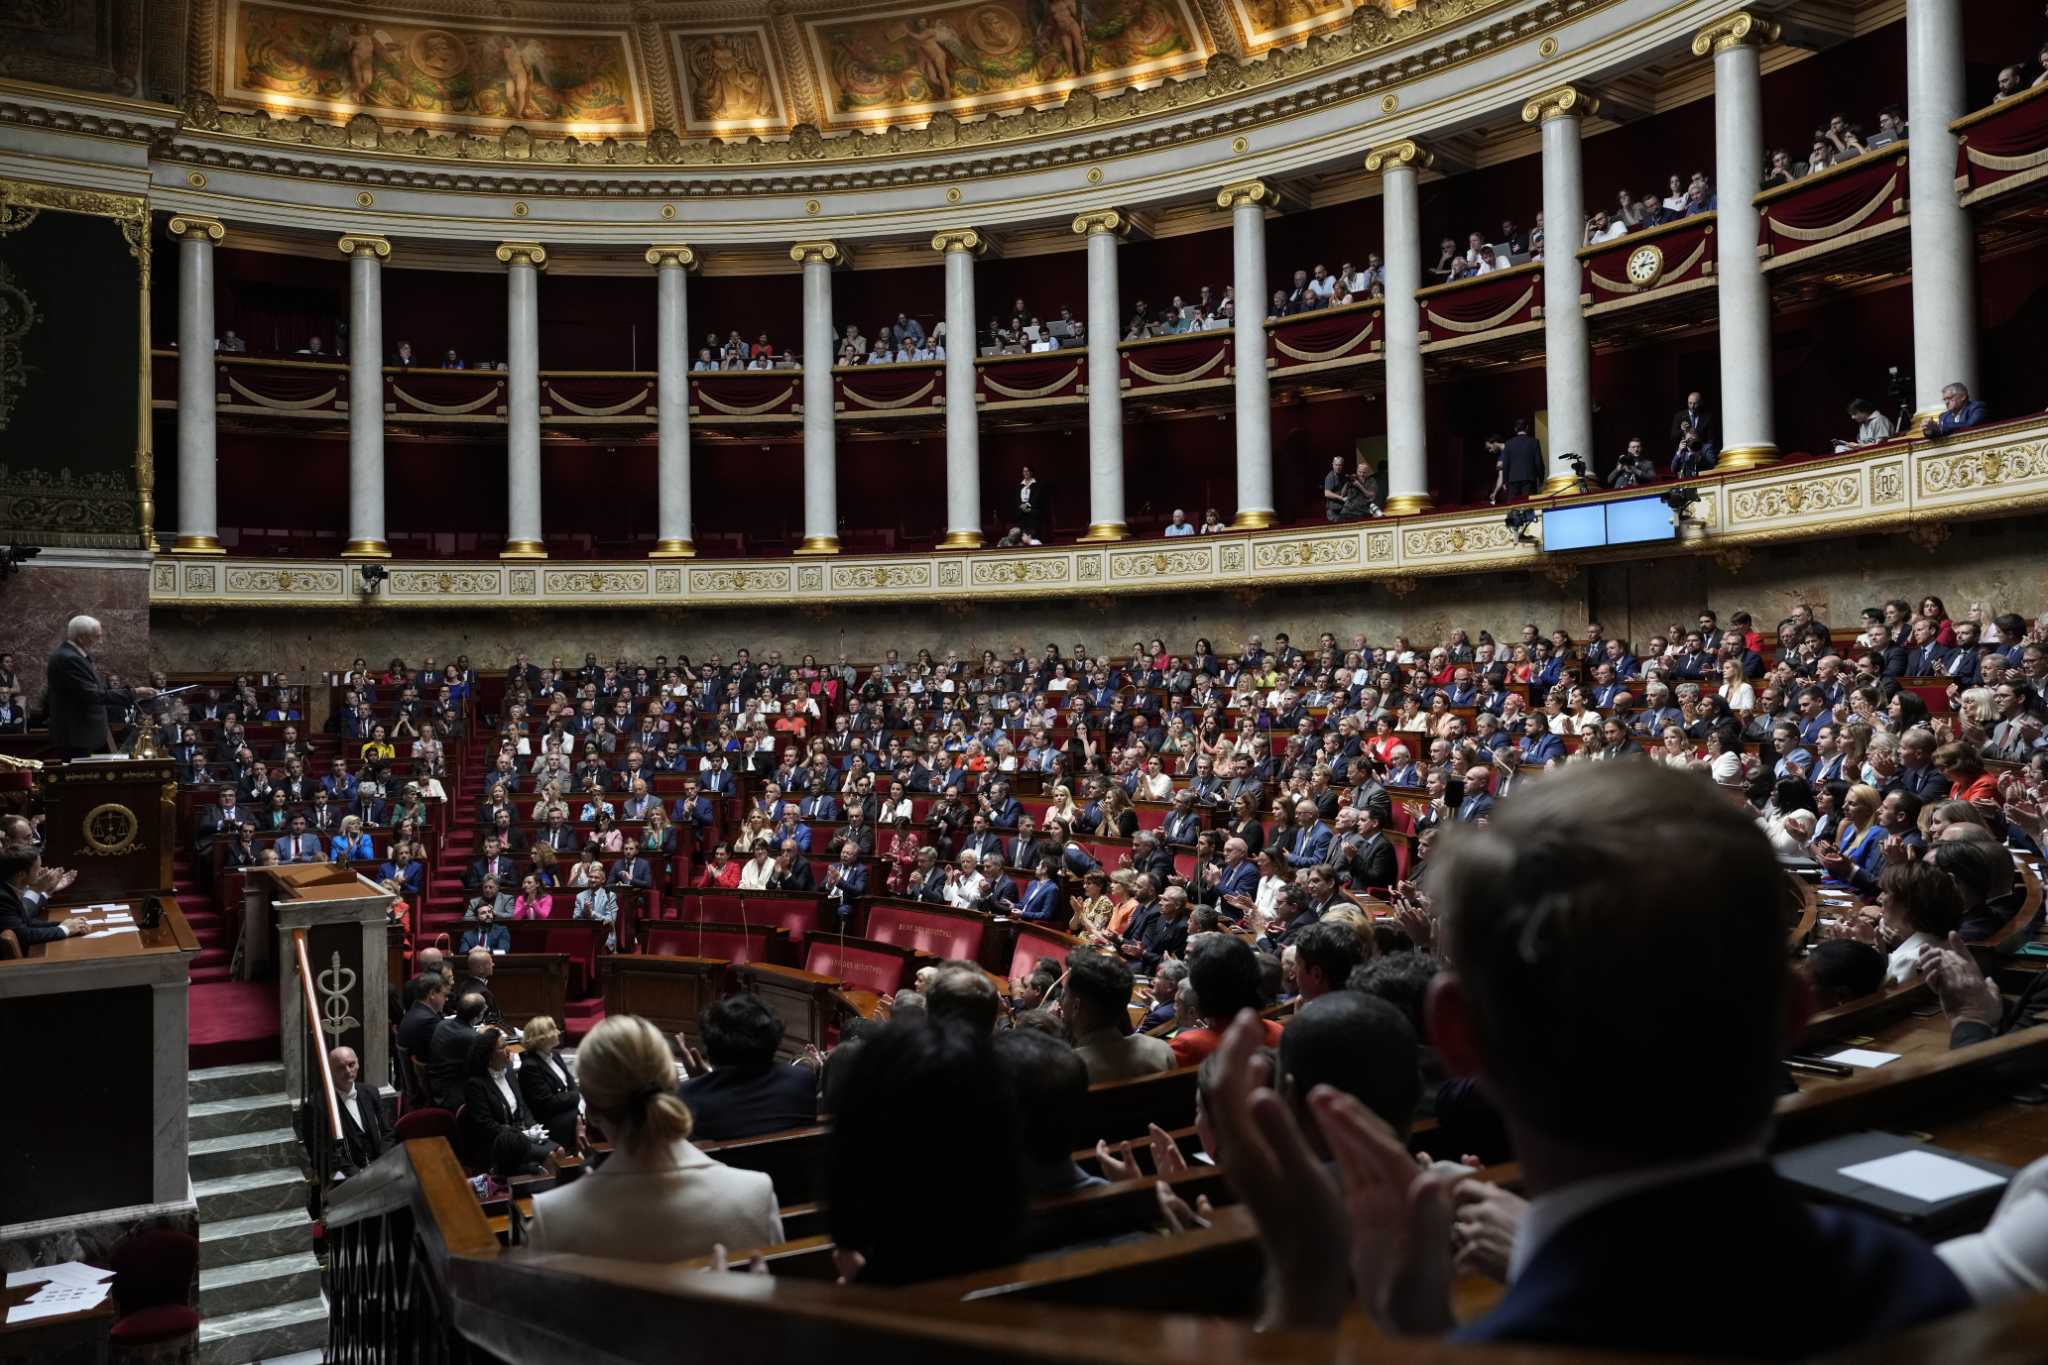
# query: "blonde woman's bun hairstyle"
{"points": [[628, 1078]]}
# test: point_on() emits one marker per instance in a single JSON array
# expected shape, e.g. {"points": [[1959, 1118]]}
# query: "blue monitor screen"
{"points": [[1574, 528], [1638, 519]]}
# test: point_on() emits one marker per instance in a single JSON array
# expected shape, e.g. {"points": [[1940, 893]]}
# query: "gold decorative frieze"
{"points": [[1737, 29], [1567, 101]]}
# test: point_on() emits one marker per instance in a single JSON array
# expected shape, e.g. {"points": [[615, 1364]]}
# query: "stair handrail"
{"points": [[319, 1105]]}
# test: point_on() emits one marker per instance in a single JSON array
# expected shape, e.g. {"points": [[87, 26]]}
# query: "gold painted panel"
{"points": [[985, 55], [729, 81], [408, 70], [1265, 24]]}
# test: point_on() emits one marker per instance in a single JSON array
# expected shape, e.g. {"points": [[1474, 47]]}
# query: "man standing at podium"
{"points": [[79, 696]]}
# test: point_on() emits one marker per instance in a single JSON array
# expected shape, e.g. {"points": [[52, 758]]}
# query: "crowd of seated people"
{"points": [[1542, 789], [736, 353]]}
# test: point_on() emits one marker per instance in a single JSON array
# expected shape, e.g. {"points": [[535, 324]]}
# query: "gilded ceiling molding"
{"points": [[196, 225], [1567, 101], [1096, 221], [973, 241], [672, 253], [1369, 32], [1407, 152], [523, 253], [365, 244], [831, 253], [1261, 192], [1739, 29]]}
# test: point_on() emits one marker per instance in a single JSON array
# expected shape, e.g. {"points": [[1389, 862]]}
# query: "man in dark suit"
{"points": [[1151, 857], [928, 881], [493, 864], [20, 865], [1695, 438], [429, 991], [1478, 802], [743, 1091], [1673, 1160], [448, 1051], [1026, 848], [365, 1132], [1311, 842], [1185, 822], [980, 838], [792, 871], [79, 697]]}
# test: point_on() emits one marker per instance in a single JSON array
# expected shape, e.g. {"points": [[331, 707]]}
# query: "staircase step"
{"points": [[242, 1114], [254, 1284], [239, 1196], [255, 1237], [220, 973], [263, 1333], [244, 1153], [241, 1079]]}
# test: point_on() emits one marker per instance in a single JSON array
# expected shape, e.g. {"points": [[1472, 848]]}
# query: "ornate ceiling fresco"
{"points": [[779, 70]]}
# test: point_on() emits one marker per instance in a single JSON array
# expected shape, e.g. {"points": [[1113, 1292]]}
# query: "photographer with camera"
{"points": [[1695, 439], [1634, 468]]}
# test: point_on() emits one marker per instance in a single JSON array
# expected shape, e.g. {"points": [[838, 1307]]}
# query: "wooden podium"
{"points": [[344, 916], [114, 821]]}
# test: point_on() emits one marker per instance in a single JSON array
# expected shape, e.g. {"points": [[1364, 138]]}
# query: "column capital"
{"points": [[1097, 222], [363, 244], [1567, 101], [831, 253], [973, 241], [1395, 156], [523, 253], [1261, 192], [197, 225], [672, 253], [1738, 28]]}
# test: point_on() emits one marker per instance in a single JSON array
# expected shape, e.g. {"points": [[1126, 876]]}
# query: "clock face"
{"points": [[1645, 264]]}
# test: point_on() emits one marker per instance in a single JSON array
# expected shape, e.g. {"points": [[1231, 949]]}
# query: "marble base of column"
{"points": [[1107, 530], [523, 549], [1558, 484], [366, 549], [1407, 504], [962, 540], [819, 545], [673, 549], [1252, 521], [1746, 457], [198, 545]]}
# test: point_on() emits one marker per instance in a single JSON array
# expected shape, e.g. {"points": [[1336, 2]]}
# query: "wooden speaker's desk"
{"points": [[345, 917]]}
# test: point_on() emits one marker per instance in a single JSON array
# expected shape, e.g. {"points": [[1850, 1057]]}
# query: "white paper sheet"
{"points": [[1857, 1056], [116, 929], [1927, 1176], [74, 1273]]}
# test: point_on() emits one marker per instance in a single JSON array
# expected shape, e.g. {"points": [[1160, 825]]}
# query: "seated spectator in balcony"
{"points": [[1446, 267], [1519, 466], [1322, 286], [1600, 229], [1845, 137], [1634, 468], [1782, 170], [733, 353], [1180, 525], [1536, 239], [2011, 81], [1140, 325], [1213, 523], [909, 329], [1481, 257], [404, 359], [230, 344], [1699, 194], [1278, 307], [1872, 426], [1300, 298], [314, 349], [1512, 241], [881, 354], [759, 359], [1628, 211], [1819, 158], [1891, 127], [450, 360], [1651, 213], [1960, 412], [1674, 195]]}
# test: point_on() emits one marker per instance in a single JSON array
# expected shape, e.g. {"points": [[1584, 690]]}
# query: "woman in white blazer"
{"points": [[657, 1198]]}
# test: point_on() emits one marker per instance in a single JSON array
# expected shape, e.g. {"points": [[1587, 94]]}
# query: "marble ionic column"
{"points": [[198, 452], [1944, 245], [1248, 201], [821, 459], [963, 418], [523, 261], [366, 255], [1399, 165], [1567, 358], [1748, 431], [1104, 229], [672, 263]]}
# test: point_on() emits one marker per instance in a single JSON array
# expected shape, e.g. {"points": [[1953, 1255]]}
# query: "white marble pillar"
{"points": [[1748, 431], [821, 458], [963, 418], [672, 263], [1399, 165], [198, 453], [523, 261], [366, 255], [1944, 245], [1248, 201], [1567, 360], [1104, 229]]}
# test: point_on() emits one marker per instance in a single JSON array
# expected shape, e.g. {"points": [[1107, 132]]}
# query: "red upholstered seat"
{"points": [[425, 1123], [153, 1326], [152, 1267]]}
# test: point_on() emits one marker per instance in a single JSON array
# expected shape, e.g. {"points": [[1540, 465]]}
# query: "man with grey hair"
{"points": [[79, 696]]}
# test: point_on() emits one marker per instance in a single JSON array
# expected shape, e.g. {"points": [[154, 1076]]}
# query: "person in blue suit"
{"points": [[1653, 1211], [1537, 745], [1310, 846], [1041, 901]]}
